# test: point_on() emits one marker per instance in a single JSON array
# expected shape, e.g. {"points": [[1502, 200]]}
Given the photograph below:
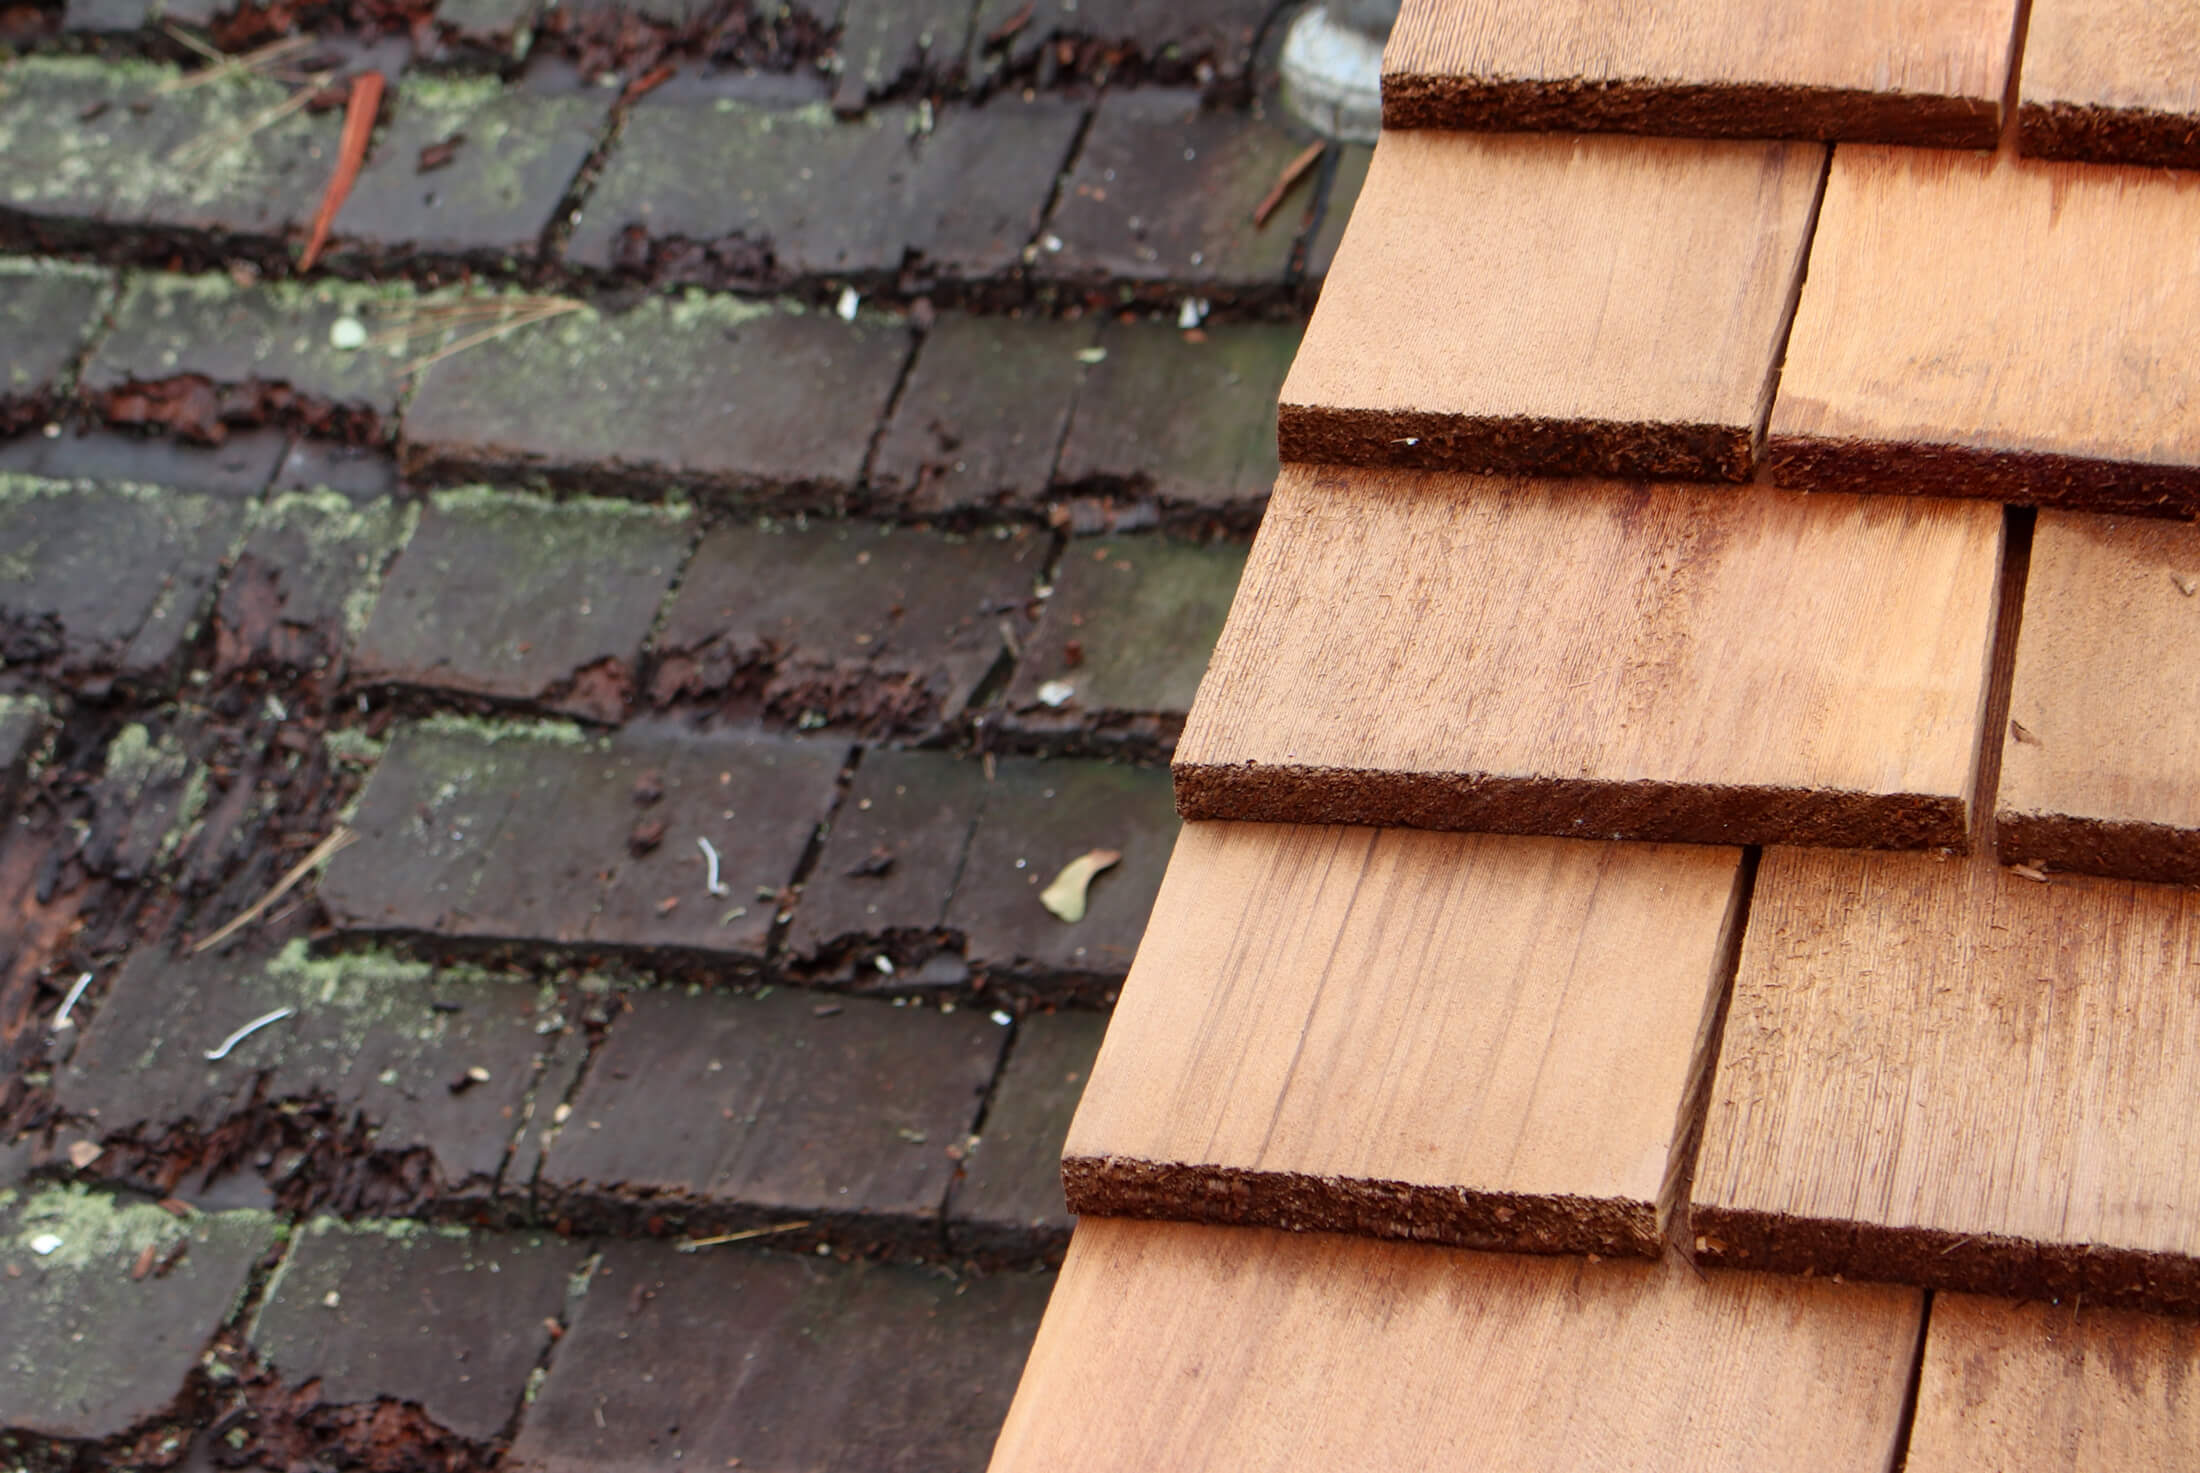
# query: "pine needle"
{"points": [[501, 314], [224, 65], [204, 149], [320, 854]]}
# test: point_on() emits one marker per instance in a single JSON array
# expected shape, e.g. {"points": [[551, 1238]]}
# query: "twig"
{"points": [[360, 111], [216, 1055], [1292, 173], [61, 1019], [689, 1245], [712, 883], [337, 839]]}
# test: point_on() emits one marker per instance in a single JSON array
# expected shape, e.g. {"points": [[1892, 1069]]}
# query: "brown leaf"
{"points": [[351, 152]]}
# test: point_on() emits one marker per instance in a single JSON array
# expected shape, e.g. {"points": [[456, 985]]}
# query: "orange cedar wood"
{"points": [[2026, 1388], [1475, 1039], [2101, 758], [1886, 71], [2002, 328], [1555, 303], [1942, 1072], [1589, 659], [1241, 1350], [2117, 81]]}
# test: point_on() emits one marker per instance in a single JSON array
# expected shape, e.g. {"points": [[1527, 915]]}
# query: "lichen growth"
{"points": [[277, 331], [491, 733], [18, 486], [354, 998], [26, 266], [190, 808], [695, 308], [14, 708], [131, 158], [345, 541], [135, 758], [396, 1229], [93, 1228], [325, 979], [352, 746], [482, 502], [448, 93]]}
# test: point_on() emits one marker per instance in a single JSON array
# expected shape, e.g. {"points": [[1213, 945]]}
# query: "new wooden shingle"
{"points": [[1600, 660], [1473, 1039], [2101, 758], [1895, 71], [1555, 303], [2116, 81], [1169, 1345], [2028, 1388], [1945, 1072], [2002, 328]]}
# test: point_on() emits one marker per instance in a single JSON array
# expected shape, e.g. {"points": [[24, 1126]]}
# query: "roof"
{"points": [[1797, 502]]}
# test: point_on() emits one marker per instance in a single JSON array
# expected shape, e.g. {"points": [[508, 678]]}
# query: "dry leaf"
{"points": [[1066, 896], [361, 108], [83, 1153]]}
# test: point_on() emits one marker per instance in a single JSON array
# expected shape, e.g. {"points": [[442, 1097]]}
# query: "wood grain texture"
{"points": [[1600, 660], [1479, 1039], [2029, 1388], [2004, 328], [1944, 1073], [1168, 1345], [2100, 766], [2113, 81], [1884, 71], [1555, 303]]}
